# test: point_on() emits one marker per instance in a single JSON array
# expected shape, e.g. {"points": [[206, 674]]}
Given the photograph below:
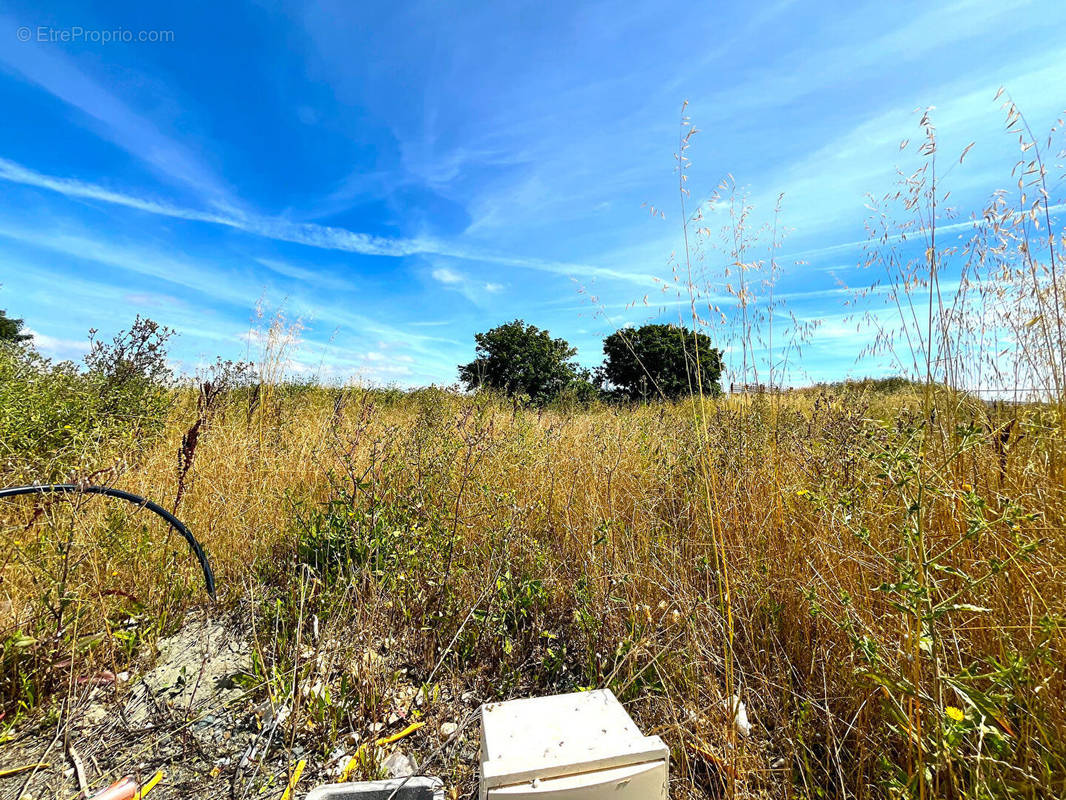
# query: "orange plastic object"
{"points": [[122, 789]]}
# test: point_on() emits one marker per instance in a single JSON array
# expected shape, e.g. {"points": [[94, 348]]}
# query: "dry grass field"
{"points": [[883, 588]]}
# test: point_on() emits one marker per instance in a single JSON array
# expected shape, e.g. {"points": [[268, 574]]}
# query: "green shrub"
{"points": [[59, 421]]}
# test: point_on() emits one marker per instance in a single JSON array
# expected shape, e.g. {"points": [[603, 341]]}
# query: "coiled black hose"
{"points": [[175, 523]]}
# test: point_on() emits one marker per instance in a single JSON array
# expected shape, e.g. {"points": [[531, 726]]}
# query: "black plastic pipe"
{"points": [[175, 523]]}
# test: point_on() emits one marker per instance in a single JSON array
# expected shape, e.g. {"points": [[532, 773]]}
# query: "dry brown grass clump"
{"points": [[517, 551]]}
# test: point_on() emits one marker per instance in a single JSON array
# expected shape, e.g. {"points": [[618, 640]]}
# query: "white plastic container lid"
{"points": [[566, 734]]}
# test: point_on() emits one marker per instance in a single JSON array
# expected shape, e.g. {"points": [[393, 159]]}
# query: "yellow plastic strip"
{"points": [[414, 726], [295, 778], [149, 786], [347, 771], [6, 773]]}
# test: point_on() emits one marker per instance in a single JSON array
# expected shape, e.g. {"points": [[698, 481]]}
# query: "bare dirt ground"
{"points": [[192, 715]]}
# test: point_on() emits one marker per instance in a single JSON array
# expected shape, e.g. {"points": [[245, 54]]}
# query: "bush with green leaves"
{"points": [[61, 422], [131, 376], [46, 416]]}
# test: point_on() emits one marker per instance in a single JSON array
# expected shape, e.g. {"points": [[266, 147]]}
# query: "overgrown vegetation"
{"points": [[540, 551], [59, 421], [877, 570]]}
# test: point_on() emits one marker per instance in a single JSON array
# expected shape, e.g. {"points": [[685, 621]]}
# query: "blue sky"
{"points": [[401, 175]]}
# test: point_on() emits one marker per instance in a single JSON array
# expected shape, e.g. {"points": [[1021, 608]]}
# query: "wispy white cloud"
{"points": [[58, 347], [310, 234], [229, 286], [448, 276], [830, 183], [134, 259], [473, 289], [46, 66], [69, 187], [72, 302], [333, 362], [962, 226], [317, 278], [150, 300]]}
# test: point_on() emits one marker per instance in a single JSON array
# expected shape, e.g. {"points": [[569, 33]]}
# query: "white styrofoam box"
{"points": [[635, 782], [411, 788], [582, 745]]}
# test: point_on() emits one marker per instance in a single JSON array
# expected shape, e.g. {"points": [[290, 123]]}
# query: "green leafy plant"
{"points": [[950, 713]]}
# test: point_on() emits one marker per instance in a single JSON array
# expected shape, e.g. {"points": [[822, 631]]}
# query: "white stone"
{"points": [[398, 765]]}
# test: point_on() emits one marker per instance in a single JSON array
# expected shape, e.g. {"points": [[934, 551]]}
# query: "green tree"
{"points": [[660, 361], [520, 359], [11, 329]]}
